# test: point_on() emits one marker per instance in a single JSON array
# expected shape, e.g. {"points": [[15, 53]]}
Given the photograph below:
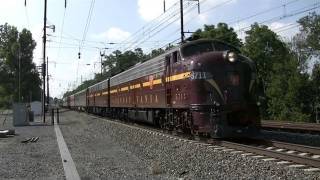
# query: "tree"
{"points": [[18, 47], [221, 32], [265, 48], [315, 81], [310, 30], [279, 79], [310, 47]]}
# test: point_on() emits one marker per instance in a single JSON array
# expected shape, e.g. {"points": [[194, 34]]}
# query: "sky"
{"points": [[92, 27]]}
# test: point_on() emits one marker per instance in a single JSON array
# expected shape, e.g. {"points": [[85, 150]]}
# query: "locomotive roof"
{"points": [[207, 40], [137, 66], [155, 61]]}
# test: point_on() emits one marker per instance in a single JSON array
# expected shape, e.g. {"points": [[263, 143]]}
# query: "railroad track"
{"points": [[293, 155], [284, 153], [312, 128]]}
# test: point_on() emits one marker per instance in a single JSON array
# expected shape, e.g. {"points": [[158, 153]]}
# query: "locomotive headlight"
{"points": [[232, 56]]}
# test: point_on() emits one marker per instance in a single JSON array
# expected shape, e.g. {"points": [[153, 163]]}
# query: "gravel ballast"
{"points": [[149, 156]]}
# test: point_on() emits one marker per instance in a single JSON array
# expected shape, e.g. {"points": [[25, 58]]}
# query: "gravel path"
{"points": [[39, 160], [152, 156]]}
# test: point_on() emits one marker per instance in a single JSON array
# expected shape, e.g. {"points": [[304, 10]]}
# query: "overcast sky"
{"points": [[130, 24]]}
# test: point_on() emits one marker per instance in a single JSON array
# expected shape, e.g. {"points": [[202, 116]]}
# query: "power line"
{"points": [[87, 23], [64, 15], [216, 6], [262, 12], [165, 18], [293, 13], [146, 26], [166, 23], [27, 16]]}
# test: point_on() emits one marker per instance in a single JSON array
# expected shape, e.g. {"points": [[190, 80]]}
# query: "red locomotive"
{"points": [[202, 87]]}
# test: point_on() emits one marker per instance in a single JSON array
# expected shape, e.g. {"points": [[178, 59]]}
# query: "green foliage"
{"points": [[279, 80], [308, 49], [311, 31], [15, 46], [221, 32], [283, 92], [315, 81]]}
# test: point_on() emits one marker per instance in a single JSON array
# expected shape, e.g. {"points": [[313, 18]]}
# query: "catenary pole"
{"points": [[181, 21], [48, 94], [44, 61]]}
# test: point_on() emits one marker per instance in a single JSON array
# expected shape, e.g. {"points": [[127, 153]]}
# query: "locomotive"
{"points": [[203, 87]]}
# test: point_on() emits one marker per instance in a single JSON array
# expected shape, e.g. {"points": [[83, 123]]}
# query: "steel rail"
{"points": [[296, 147], [291, 126], [270, 153]]}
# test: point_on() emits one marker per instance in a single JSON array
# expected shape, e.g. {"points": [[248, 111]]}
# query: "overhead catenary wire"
{"points": [[232, 21], [27, 15], [293, 13], [284, 16], [62, 26], [159, 30], [144, 28], [239, 20], [165, 19], [86, 28], [85, 33]]}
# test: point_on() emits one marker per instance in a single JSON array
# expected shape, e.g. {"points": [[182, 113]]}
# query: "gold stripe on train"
{"points": [[172, 78]]}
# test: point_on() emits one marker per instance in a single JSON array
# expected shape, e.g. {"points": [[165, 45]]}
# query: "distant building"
{"points": [[36, 107]]}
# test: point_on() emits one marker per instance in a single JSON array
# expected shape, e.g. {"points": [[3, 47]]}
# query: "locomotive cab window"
{"points": [[206, 46], [220, 46], [197, 49]]}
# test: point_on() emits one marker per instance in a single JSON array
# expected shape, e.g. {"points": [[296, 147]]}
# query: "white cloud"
{"points": [[150, 9], [113, 34]]}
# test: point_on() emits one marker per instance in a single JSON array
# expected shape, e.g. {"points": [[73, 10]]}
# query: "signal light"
{"points": [[79, 55]]}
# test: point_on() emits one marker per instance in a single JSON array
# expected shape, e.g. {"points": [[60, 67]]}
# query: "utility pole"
{"points": [[19, 59], [181, 21], [101, 55], [44, 60], [181, 17], [101, 62], [48, 96]]}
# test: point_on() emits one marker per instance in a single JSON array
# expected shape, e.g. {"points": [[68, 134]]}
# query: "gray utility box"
{"points": [[20, 114]]}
